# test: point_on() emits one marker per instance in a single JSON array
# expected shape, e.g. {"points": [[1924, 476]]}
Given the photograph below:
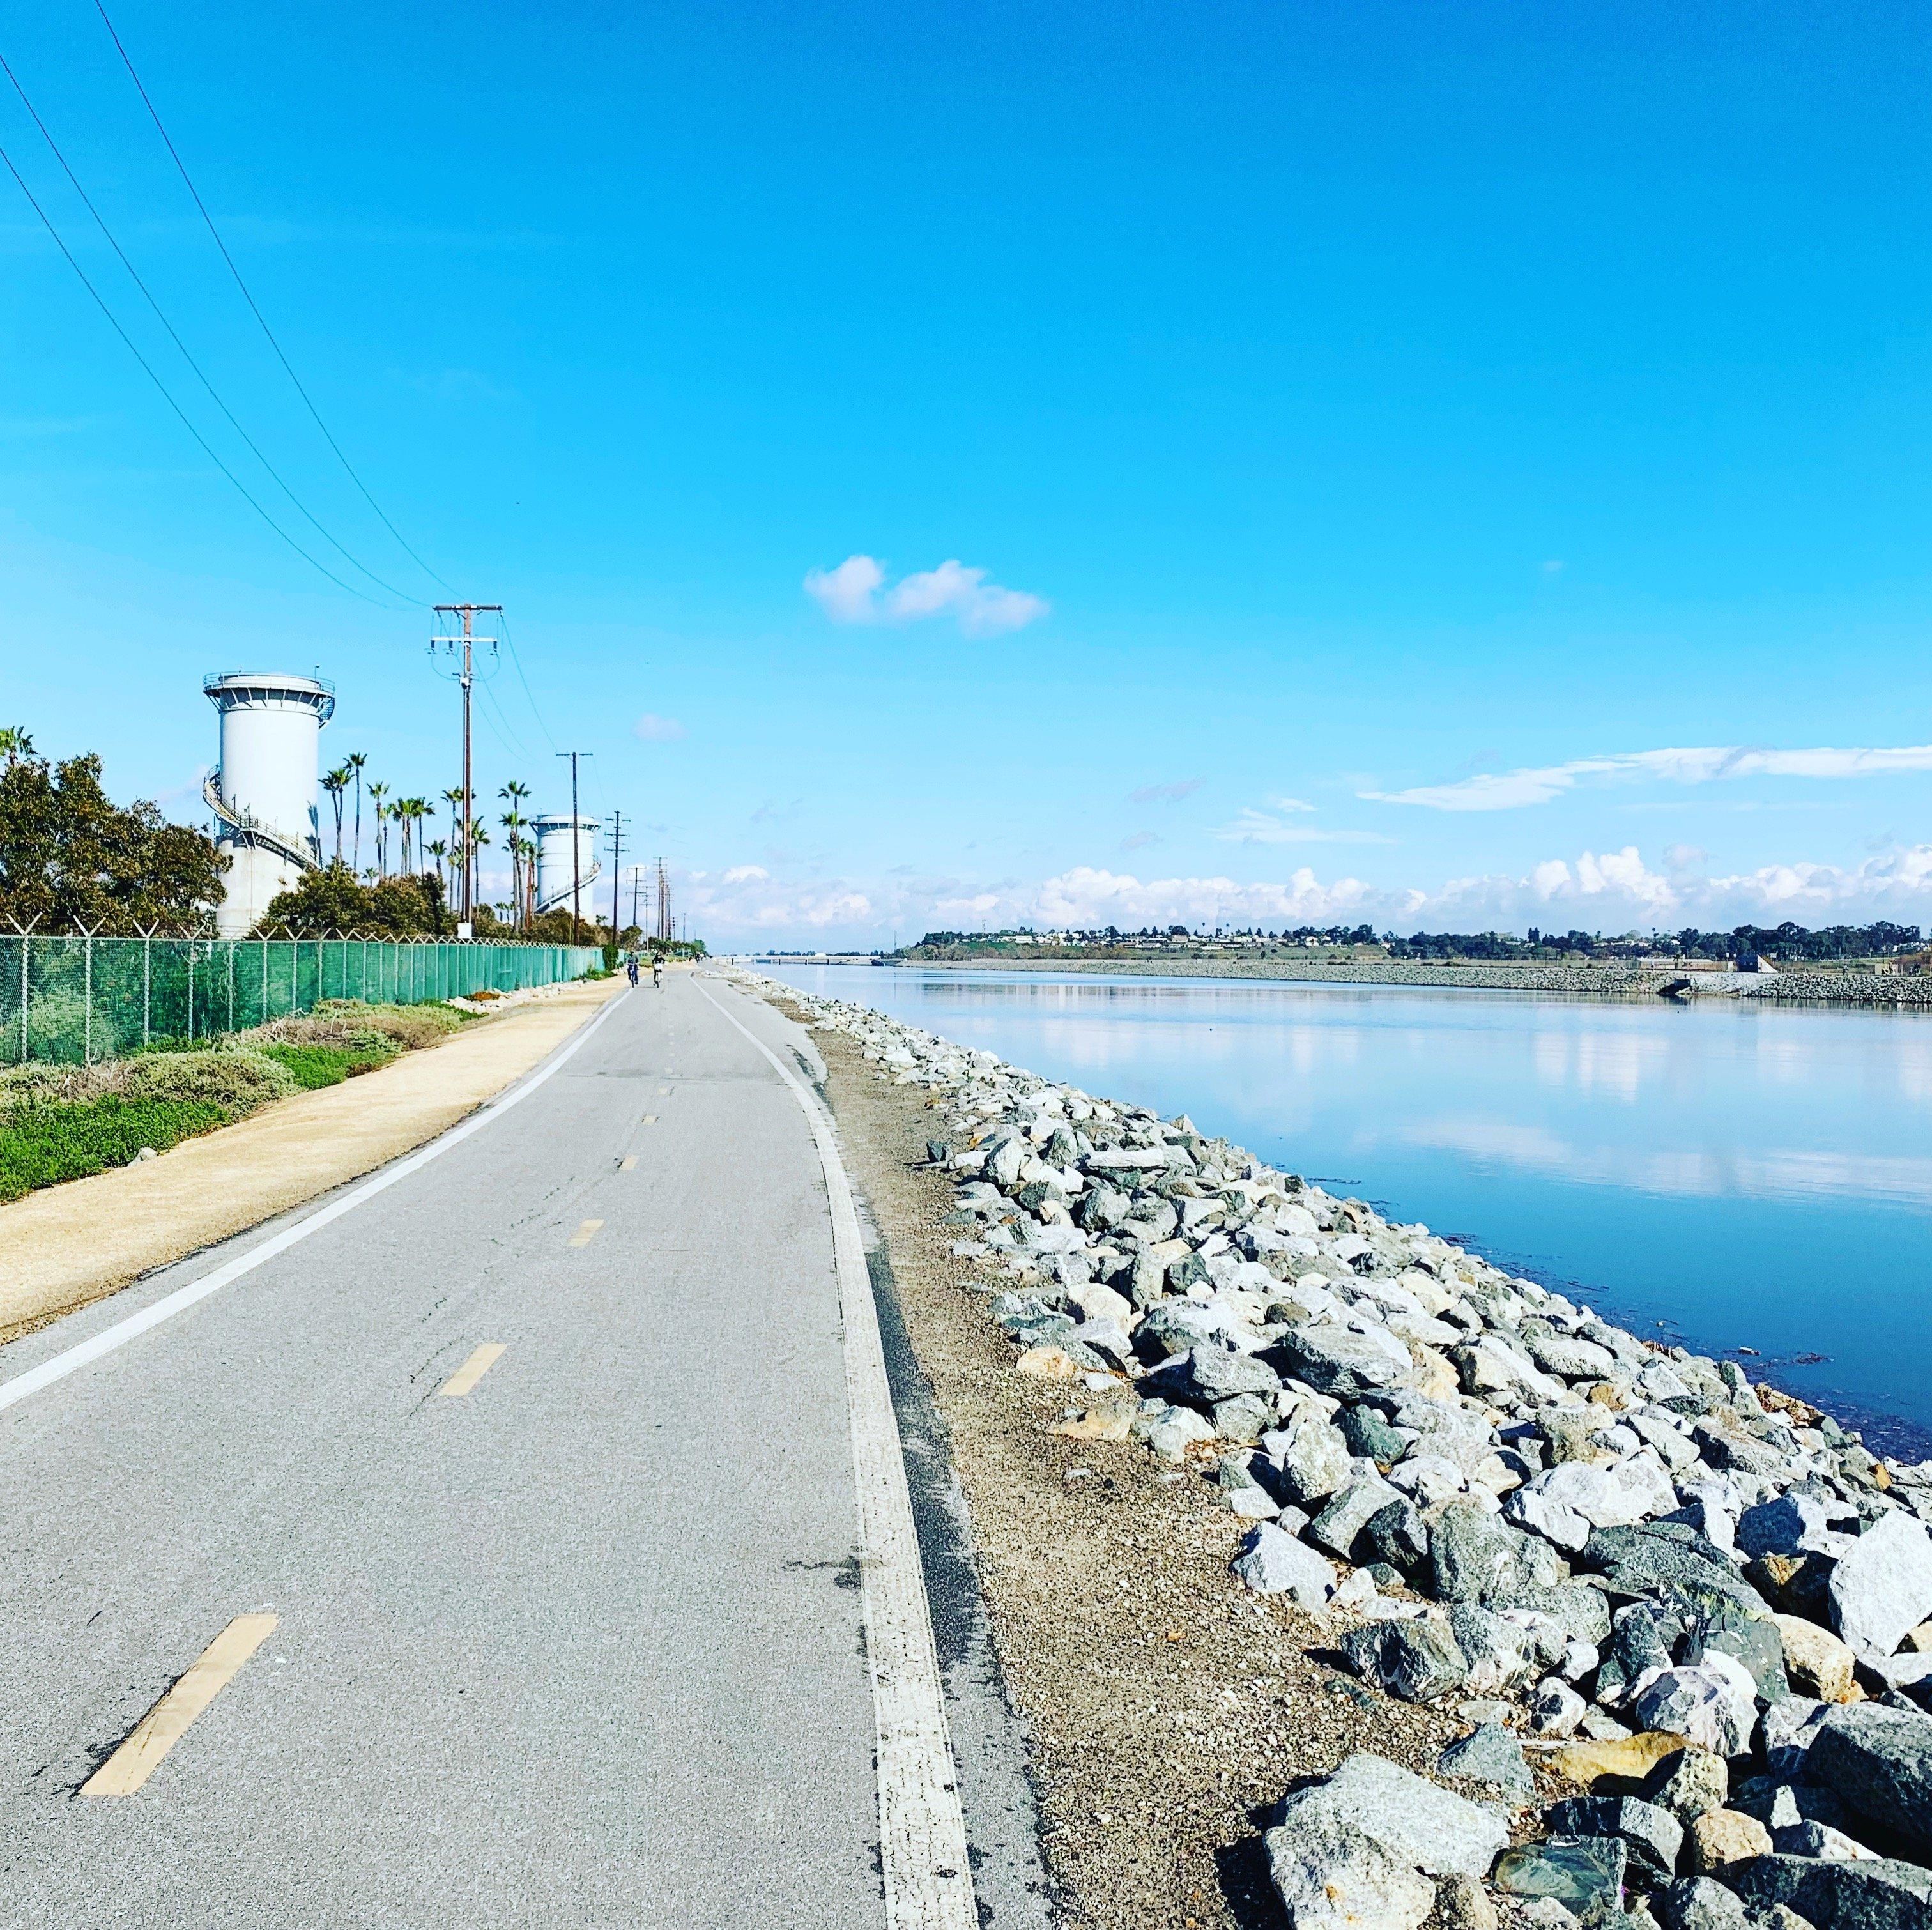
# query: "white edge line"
{"points": [[928, 1879], [110, 1338]]}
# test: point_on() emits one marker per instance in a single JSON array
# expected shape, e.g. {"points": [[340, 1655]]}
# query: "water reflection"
{"points": [[1750, 1174]]}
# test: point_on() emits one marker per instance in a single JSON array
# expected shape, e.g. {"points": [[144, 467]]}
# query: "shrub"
{"points": [[238, 1078], [314, 1065], [40, 1145], [408, 1026]]}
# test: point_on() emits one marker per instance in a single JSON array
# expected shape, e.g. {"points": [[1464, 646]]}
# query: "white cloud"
{"points": [[1261, 827], [851, 594], [742, 874], [1165, 794], [1510, 790], [653, 729], [846, 594]]}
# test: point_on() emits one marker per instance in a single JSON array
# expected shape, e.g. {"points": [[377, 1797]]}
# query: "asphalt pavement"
{"points": [[568, 1632]]}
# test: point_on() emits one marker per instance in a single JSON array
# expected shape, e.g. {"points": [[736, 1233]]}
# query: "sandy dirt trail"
{"points": [[66, 1245]]}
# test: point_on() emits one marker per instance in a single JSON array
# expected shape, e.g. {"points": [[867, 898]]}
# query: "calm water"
{"points": [[1726, 1174]]}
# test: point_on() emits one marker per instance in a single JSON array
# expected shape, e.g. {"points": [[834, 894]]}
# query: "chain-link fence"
{"points": [[79, 1000]]}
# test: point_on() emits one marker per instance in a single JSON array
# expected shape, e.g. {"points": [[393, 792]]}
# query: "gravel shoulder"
{"points": [[1167, 1709], [66, 1245]]}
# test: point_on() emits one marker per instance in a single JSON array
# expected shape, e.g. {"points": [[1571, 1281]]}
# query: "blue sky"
{"points": [[1301, 462]]}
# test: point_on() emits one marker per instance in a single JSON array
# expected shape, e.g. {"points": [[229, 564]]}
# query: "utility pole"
{"points": [[616, 875], [576, 851], [466, 677], [664, 904], [633, 899]]}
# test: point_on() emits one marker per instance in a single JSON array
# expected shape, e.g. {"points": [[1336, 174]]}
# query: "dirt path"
{"points": [[1167, 1709], [66, 1245]]}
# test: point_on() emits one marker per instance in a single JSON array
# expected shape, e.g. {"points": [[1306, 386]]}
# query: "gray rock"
{"points": [[1752, 1639], [1783, 1806], [1661, 1555], [1329, 1876], [1499, 1653], [1272, 1562], [1692, 1783], [1700, 1903], [1881, 1588], [1643, 1641], [1417, 1661], [1430, 1829], [1711, 1703], [1489, 1754], [1584, 1873], [1340, 1361], [1819, 1839], [1787, 1732], [1245, 1418], [1348, 1513], [1218, 1373], [1170, 1431], [1174, 1327], [1478, 1557], [1654, 1837], [1368, 1434], [1312, 1461], [1878, 1761], [1555, 1709], [1791, 1524], [1396, 1534], [1462, 1903], [1880, 1894]]}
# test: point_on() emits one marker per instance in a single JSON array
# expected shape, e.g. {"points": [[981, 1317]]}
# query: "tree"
{"points": [[335, 783], [356, 760], [439, 851], [15, 744], [69, 855], [333, 899], [377, 792], [513, 821]]}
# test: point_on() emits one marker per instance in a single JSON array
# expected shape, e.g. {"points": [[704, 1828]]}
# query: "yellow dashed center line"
{"points": [[473, 1369], [585, 1233], [628, 1163], [169, 1720]]}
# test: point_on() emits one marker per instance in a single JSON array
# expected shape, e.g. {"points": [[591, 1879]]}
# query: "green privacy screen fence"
{"points": [[78, 1000]]}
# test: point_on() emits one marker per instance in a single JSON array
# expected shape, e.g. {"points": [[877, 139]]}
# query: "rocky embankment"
{"points": [[1608, 981], [1602, 981], [1629, 1570]]}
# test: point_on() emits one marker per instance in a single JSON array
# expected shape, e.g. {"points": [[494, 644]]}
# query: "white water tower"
{"points": [[556, 878], [263, 796]]}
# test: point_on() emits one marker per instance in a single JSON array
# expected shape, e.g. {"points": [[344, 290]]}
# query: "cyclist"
{"points": [[657, 970], [631, 967]]}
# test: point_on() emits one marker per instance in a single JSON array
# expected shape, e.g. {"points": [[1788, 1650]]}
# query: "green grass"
{"points": [[40, 1145], [311, 1067]]}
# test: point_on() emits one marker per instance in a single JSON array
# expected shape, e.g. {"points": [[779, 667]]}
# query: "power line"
{"points": [[181, 166], [167, 395], [518, 662], [174, 336]]}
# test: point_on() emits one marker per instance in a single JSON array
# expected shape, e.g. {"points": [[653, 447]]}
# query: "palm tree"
{"points": [[439, 851], [378, 791], [15, 744], [399, 811], [527, 910], [513, 821], [478, 837], [335, 783], [356, 760]]}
